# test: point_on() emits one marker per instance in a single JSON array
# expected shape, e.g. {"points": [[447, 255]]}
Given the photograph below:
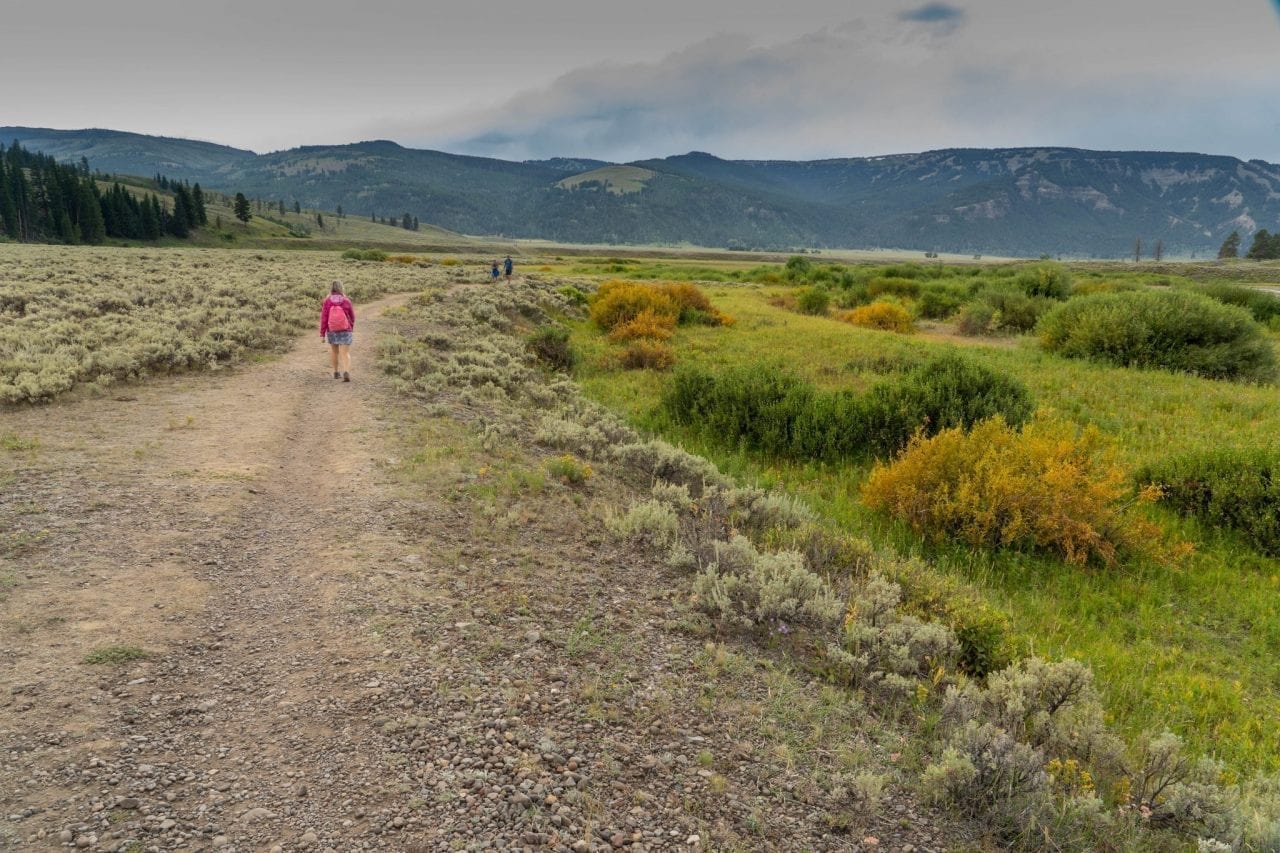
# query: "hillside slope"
{"points": [[1017, 201]]}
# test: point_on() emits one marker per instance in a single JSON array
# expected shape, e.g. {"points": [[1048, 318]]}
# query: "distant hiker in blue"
{"points": [[494, 272], [507, 266]]}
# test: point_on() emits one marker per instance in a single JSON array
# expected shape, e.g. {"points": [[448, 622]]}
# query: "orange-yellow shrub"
{"points": [[643, 354], [647, 324], [1047, 488], [618, 302], [886, 316], [403, 259]]}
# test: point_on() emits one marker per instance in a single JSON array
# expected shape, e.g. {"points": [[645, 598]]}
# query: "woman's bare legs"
{"points": [[343, 354], [333, 356]]}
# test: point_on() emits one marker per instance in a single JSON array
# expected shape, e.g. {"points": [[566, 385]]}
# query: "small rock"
{"points": [[256, 814], [221, 841]]}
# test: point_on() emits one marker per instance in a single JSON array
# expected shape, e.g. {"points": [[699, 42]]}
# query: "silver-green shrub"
{"points": [[750, 589], [882, 647]]}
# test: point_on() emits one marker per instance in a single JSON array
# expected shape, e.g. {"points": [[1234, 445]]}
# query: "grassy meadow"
{"points": [[1192, 646]]}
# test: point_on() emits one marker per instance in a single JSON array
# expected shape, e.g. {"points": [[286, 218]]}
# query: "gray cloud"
{"points": [[906, 79], [624, 80]]}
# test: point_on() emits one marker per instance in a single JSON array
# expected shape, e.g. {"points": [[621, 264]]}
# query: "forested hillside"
{"points": [[42, 200]]}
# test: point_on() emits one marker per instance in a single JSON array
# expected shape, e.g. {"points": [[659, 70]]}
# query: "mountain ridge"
{"points": [[1009, 200]]}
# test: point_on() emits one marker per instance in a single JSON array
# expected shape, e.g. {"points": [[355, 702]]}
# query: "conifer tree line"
{"points": [[1265, 246], [42, 200]]}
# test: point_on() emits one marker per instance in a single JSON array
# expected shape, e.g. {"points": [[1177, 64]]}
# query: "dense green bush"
{"points": [[906, 288], [1048, 280], [770, 410], [813, 300], [365, 255], [1231, 488], [1176, 330], [942, 394], [976, 318], [1262, 305], [551, 346], [938, 302]]}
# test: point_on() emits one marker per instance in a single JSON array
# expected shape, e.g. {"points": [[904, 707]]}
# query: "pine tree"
{"points": [[1137, 250], [415, 223], [1158, 252], [241, 208], [1230, 246], [179, 224], [339, 211], [197, 200], [1261, 248], [319, 220], [8, 209], [297, 207], [93, 227]]}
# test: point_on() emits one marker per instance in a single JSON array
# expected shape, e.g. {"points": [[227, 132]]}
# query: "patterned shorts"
{"points": [[340, 338]]}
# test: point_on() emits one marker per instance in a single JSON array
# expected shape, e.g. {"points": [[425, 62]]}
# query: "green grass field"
{"points": [[1194, 647]]}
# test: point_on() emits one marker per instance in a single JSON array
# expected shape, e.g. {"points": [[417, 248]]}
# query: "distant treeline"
{"points": [[44, 201]]}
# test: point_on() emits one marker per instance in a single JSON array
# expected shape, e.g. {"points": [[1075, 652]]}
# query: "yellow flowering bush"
{"points": [[885, 316], [1049, 487]]}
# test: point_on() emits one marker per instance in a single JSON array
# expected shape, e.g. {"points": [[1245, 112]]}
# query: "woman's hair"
{"points": [[336, 287]]}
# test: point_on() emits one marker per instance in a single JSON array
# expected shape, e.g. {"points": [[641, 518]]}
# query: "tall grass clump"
{"points": [[1236, 489], [766, 409], [1046, 488], [1175, 330]]}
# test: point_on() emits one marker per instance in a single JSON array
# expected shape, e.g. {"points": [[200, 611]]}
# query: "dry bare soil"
{"points": [[264, 610]]}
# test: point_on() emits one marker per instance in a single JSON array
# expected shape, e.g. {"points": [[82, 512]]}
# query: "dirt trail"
{"points": [[212, 522], [366, 628]]}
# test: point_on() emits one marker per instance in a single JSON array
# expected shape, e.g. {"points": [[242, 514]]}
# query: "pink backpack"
{"points": [[338, 321]]}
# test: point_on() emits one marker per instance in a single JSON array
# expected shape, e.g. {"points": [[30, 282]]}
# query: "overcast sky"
{"points": [[626, 80]]}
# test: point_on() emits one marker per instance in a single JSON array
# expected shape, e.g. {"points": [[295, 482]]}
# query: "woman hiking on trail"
{"points": [[337, 324]]}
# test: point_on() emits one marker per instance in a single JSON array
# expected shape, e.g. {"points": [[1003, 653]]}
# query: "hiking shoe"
{"points": [[337, 375], [346, 377]]}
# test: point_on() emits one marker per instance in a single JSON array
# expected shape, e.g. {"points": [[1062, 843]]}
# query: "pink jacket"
{"points": [[346, 306]]}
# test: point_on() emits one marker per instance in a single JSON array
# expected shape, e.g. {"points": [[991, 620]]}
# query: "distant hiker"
{"points": [[494, 272], [337, 326], [507, 266]]}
